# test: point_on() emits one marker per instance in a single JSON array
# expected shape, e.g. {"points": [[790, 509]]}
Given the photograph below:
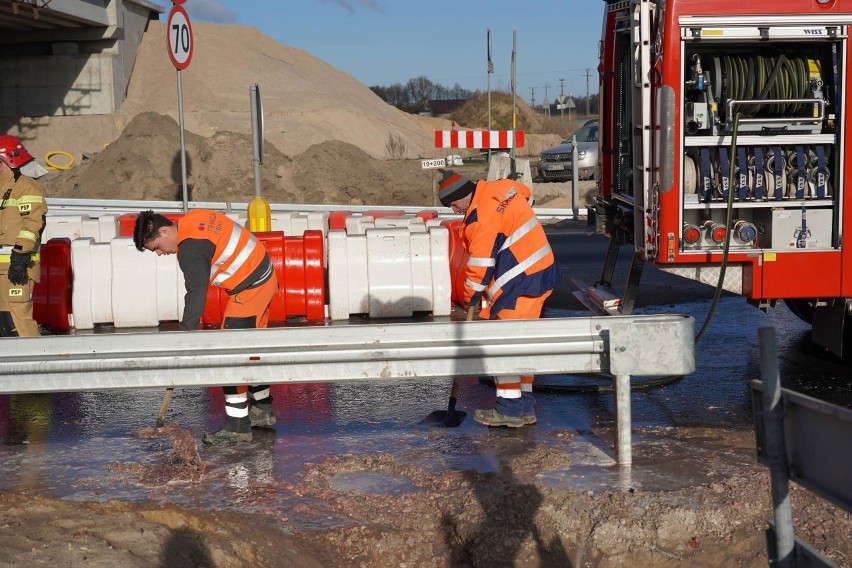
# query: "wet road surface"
{"points": [[61, 444]]}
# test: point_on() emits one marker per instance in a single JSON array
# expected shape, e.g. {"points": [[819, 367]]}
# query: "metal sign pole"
{"points": [[182, 145], [490, 71], [259, 213], [180, 45], [256, 136], [512, 166]]}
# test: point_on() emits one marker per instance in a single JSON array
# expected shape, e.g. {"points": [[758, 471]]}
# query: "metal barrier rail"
{"points": [[622, 345], [70, 206], [803, 439]]}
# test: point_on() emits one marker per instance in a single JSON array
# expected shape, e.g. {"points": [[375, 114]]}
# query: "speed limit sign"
{"points": [[179, 37]]}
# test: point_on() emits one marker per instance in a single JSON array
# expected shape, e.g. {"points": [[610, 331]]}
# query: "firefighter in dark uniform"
{"points": [[23, 210]]}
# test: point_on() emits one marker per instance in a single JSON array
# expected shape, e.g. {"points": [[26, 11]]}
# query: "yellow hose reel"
{"points": [[67, 165]]}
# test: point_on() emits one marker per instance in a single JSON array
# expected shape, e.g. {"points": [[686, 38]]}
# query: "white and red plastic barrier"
{"points": [[479, 139], [386, 264]]}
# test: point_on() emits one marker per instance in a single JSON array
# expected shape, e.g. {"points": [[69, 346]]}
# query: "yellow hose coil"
{"points": [[54, 166]]}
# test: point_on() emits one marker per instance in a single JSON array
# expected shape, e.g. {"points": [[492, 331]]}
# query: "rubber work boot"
{"points": [[236, 431], [529, 408], [493, 417], [260, 414]]}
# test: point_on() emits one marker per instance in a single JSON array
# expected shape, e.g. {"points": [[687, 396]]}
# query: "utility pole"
{"points": [[532, 97], [587, 91], [547, 109], [490, 70], [562, 87]]}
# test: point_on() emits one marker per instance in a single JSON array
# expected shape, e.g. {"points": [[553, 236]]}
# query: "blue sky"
{"points": [[382, 42]]}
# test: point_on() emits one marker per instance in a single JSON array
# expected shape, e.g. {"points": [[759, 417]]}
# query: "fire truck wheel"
{"points": [[801, 308]]}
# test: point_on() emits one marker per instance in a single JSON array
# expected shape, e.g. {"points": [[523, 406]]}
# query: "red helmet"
{"points": [[13, 152]]}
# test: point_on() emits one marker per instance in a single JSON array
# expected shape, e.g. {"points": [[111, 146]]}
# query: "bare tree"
{"points": [[420, 90]]}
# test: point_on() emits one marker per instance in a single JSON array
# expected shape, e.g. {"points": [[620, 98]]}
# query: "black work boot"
{"points": [[529, 408], [260, 413], [506, 412], [236, 430], [493, 417]]}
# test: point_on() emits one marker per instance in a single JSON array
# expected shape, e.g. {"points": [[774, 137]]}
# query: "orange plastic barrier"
{"points": [[337, 220], [458, 260], [305, 273], [427, 214], [127, 222], [378, 214], [52, 296], [298, 265]]}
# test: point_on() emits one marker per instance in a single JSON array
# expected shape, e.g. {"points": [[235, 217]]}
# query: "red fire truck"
{"points": [[722, 142]]}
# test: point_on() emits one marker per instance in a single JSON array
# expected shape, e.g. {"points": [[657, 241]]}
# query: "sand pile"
{"points": [[328, 137]]}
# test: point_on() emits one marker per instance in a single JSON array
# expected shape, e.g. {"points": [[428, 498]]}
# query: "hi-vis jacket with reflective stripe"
{"points": [[22, 214], [214, 249], [509, 255]]}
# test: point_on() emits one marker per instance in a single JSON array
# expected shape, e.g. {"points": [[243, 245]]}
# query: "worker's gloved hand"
{"points": [[18, 265]]}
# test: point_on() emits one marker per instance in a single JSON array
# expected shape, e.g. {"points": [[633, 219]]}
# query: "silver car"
{"points": [[555, 163]]}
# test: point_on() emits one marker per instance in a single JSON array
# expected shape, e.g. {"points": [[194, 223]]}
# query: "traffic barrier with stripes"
{"points": [[479, 139]]}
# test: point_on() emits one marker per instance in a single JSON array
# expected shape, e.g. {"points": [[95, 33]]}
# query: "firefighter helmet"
{"points": [[12, 152]]}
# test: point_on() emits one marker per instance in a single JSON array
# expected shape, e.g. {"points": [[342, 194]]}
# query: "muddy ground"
{"points": [[512, 517]]}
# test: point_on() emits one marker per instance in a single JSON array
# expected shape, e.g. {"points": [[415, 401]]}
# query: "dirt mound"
{"points": [[305, 100], [144, 163], [474, 114], [327, 136]]}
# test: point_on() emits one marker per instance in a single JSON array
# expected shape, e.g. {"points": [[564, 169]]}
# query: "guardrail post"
{"points": [[776, 453], [623, 446]]}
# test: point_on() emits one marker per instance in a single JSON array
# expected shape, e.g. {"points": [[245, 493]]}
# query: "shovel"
{"points": [[449, 418]]}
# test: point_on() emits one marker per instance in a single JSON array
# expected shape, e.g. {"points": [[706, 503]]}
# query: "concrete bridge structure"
{"points": [[68, 57]]}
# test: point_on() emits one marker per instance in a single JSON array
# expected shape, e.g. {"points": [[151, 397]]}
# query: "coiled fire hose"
{"points": [[663, 381]]}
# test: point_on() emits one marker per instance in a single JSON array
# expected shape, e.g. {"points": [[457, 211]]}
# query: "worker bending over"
{"points": [[22, 218], [510, 271], [213, 249]]}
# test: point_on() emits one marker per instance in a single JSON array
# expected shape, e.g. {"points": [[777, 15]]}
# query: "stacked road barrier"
{"points": [[385, 264]]}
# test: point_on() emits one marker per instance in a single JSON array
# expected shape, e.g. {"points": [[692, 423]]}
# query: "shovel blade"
{"points": [[444, 419]]}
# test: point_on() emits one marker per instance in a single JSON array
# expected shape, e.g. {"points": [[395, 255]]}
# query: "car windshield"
{"points": [[588, 133]]}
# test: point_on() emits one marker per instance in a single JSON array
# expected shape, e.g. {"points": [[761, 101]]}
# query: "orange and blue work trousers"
{"points": [[248, 309], [514, 392]]}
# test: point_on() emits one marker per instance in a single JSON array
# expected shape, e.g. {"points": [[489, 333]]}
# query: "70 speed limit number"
{"points": [[179, 37]]}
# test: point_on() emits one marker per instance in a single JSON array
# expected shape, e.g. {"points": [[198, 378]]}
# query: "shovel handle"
{"points": [[454, 390], [167, 398]]}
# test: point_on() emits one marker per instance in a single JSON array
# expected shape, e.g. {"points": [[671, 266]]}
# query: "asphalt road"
{"points": [[727, 357]]}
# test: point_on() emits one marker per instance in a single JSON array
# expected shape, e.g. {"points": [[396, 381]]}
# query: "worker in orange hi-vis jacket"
{"points": [[213, 249], [23, 211], [510, 271]]}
